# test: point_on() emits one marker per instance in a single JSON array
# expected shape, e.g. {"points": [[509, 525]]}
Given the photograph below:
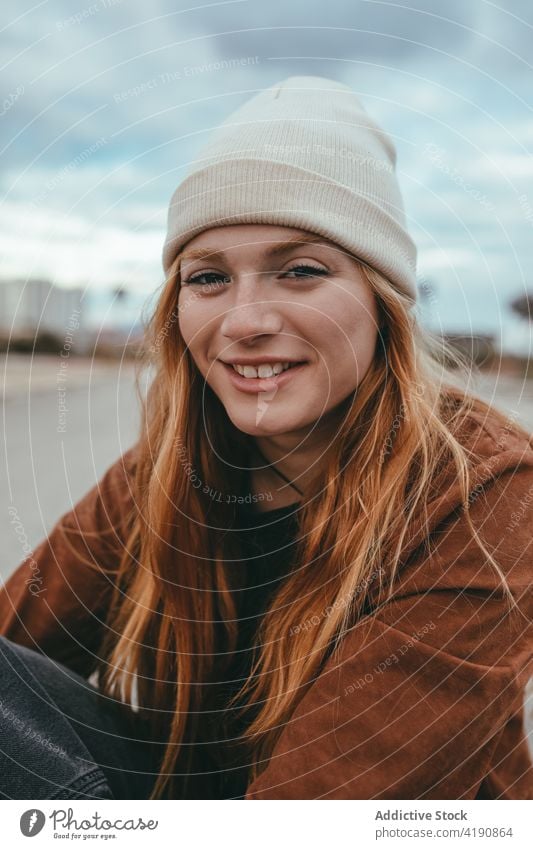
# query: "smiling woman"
{"points": [[368, 636], [316, 330]]}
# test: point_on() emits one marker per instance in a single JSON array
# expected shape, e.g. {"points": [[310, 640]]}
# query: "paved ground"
{"points": [[56, 446], [514, 395]]}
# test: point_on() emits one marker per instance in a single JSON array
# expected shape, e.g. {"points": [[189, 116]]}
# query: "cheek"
{"points": [[348, 333], [193, 324], [184, 319]]}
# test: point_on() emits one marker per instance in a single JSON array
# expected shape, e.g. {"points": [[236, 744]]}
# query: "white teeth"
{"points": [[265, 370]]}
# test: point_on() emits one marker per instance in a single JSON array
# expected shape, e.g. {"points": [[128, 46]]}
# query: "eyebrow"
{"points": [[275, 250]]}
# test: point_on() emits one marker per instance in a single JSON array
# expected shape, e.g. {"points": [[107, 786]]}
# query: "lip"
{"points": [[252, 385], [257, 361]]}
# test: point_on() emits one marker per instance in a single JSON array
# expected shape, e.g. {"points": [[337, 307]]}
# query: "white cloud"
{"points": [[67, 249]]}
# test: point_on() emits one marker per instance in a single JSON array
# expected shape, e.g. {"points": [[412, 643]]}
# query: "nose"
{"points": [[251, 313]]}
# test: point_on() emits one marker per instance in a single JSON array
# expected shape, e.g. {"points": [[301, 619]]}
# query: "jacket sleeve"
{"points": [[414, 706], [55, 602]]}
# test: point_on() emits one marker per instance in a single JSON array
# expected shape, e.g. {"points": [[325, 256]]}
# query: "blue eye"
{"points": [[195, 280], [315, 271], [202, 279]]}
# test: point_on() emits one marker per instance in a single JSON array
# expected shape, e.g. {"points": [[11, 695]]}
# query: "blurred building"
{"points": [[26, 305], [30, 309]]}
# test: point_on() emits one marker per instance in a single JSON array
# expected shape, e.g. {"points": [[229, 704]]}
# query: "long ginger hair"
{"points": [[171, 624]]}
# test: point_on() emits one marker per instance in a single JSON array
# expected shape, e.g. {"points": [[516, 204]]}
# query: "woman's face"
{"points": [[251, 295]]}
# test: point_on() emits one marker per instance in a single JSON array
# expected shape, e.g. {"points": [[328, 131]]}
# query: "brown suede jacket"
{"points": [[427, 699]]}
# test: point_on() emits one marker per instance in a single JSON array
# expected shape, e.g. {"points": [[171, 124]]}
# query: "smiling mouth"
{"points": [[265, 371], [255, 382]]}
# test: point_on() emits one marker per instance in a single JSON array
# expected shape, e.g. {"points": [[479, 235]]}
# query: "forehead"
{"points": [[244, 238]]}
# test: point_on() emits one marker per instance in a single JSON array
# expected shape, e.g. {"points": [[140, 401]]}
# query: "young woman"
{"points": [[310, 577]]}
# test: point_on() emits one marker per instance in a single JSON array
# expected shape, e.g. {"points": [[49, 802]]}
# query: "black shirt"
{"points": [[267, 541]]}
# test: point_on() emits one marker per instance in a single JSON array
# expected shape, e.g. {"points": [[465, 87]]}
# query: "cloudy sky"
{"points": [[104, 103]]}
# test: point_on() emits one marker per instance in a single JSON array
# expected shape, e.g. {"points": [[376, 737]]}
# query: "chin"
{"points": [[257, 423]]}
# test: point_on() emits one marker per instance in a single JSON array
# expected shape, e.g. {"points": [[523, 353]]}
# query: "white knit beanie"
{"points": [[303, 153]]}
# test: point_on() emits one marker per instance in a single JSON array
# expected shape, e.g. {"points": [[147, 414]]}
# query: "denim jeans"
{"points": [[60, 738]]}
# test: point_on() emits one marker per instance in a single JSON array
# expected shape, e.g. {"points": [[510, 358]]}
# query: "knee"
{"points": [[7, 649], [13, 666], [10, 650], [9, 645]]}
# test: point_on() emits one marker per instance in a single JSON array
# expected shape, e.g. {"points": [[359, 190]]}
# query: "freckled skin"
{"points": [[256, 307]]}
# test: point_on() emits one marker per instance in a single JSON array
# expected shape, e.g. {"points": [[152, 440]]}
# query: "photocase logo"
{"points": [[31, 822]]}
